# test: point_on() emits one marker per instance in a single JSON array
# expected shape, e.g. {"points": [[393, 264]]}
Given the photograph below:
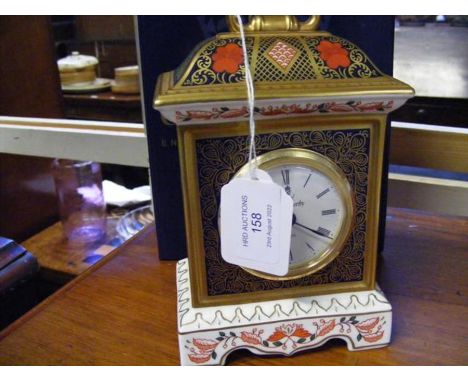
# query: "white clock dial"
{"points": [[318, 211], [323, 210]]}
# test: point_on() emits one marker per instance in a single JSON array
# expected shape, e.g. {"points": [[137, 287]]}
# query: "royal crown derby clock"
{"points": [[320, 110]]}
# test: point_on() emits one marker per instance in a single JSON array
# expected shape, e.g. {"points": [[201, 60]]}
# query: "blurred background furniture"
{"points": [[112, 41], [16, 265], [429, 144], [106, 106], [435, 168], [17, 268], [30, 88], [432, 57]]}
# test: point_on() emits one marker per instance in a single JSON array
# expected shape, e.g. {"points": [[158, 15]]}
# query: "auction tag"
{"points": [[256, 221]]}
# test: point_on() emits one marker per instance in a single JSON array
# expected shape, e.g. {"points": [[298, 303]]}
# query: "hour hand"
{"points": [[285, 176]]}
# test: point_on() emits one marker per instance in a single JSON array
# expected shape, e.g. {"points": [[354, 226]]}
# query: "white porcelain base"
{"points": [[283, 327]]}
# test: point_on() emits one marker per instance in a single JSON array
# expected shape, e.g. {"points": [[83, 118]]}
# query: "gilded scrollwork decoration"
{"points": [[273, 59], [219, 159]]}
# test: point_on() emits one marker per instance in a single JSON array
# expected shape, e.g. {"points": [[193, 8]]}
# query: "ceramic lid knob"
{"points": [[76, 61]]}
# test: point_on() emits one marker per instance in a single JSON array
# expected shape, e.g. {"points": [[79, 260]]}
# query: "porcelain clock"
{"points": [[321, 110]]}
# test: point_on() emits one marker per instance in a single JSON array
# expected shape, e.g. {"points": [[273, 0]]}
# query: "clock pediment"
{"points": [[294, 65]]}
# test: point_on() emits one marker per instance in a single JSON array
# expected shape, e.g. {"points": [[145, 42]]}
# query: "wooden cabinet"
{"points": [[30, 88]]}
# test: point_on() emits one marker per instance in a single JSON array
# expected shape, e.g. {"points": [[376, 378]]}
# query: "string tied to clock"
{"points": [[251, 102], [255, 212]]}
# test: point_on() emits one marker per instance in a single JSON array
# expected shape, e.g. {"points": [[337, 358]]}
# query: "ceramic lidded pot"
{"points": [[77, 69], [126, 80]]}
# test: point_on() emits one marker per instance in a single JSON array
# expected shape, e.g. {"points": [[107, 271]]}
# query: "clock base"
{"points": [[280, 327]]}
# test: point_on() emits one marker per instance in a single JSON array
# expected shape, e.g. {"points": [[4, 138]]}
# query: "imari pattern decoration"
{"points": [[221, 61], [286, 337], [282, 54], [301, 58], [284, 327], [321, 113], [227, 113], [219, 160]]}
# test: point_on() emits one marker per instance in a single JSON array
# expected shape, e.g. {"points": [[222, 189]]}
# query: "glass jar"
{"points": [[81, 201]]}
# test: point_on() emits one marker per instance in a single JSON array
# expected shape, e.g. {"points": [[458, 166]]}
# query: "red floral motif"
{"points": [[368, 325], [297, 109], [370, 106], [288, 331], [333, 54], [268, 111], [194, 114], [325, 327], [277, 335], [252, 338], [199, 358], [285, 336], [227, 58], [374, 337], [368, 330], [235, 113], [205, 345], [340, 108]]}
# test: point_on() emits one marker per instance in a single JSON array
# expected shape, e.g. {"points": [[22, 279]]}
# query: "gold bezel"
{"points": [[187, 138], [316, 161]]}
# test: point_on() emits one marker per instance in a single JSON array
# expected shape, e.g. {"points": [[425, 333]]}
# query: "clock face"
{"points": [[323, 207], [318, 211]]}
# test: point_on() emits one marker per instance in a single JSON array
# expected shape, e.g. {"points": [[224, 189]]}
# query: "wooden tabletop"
{"points": [[122, 311], [61, 260]]}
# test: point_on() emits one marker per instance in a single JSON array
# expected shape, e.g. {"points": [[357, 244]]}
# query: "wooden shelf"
{"points": [[106, 106]]}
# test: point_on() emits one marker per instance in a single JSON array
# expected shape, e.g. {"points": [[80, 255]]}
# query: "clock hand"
{"points": [[312, 230], [285, 175]]}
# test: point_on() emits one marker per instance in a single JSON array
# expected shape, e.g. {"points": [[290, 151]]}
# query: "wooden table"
{"points": [[62, 260], [123, 310]]}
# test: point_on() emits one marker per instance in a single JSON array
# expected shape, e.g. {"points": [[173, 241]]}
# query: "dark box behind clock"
{"points": [[164, 42]]}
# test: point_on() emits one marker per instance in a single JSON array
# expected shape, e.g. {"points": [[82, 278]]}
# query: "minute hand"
{"points": [[313, 230]]}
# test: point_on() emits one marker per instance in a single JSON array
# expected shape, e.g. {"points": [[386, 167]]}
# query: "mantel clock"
{"points": [[321, 107]]}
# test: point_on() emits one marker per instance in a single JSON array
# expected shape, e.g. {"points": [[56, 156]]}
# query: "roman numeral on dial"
{"points": [[324, 231], [305, 184], [323, 193], [329, 212]]}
